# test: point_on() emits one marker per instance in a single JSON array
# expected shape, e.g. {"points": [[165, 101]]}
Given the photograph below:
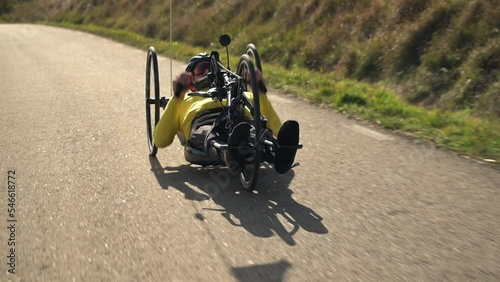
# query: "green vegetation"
{"points": [[427, 68]]}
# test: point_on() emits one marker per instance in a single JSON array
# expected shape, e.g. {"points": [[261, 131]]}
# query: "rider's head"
{"points": [[199, 67]]}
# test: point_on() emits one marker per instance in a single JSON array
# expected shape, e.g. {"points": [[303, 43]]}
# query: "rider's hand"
{"points": [[261, 81], [182, 83]]}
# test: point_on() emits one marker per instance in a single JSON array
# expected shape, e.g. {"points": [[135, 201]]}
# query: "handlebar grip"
{"points": [[200, 94]]}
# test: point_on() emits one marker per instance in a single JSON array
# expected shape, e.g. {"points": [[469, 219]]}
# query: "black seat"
{"points": [[202, 125], [194, 149]]}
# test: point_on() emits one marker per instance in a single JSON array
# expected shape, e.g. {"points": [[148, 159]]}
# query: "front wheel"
{"points": [[246, 70], [152, 103]]}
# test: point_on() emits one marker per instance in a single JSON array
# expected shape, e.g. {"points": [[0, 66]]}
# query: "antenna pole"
{"points": [[171, 52]]}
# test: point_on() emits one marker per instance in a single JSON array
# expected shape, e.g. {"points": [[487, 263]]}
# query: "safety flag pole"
{"points": [[171, 53]]}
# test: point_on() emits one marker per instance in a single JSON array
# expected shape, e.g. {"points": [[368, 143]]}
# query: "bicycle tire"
{"points": [[249, 175], [251, 51], [152, 117]]}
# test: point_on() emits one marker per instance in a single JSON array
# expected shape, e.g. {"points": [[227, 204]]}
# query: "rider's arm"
{"points": [[273, 121], [267, 110], [168, 125]]}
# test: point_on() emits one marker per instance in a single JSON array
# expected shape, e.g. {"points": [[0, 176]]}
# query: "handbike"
{"points": [[231, 87]]}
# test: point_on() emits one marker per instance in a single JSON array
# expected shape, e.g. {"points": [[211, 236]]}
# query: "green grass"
{"points": [[459, 131]]}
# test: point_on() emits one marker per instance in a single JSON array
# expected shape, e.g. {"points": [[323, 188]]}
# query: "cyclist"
{"points": [[191, 119]]}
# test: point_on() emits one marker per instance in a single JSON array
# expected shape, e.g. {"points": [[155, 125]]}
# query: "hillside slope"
{"points": [[443, 53]]}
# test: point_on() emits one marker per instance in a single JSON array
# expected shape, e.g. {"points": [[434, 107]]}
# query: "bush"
{"points": [[411, 49], [6, 6]]}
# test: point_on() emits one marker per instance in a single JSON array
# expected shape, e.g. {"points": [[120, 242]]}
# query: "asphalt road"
{"points": [[90, 205]]}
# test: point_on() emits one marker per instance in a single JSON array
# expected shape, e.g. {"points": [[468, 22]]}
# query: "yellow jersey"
{"points": [[180, 113]]}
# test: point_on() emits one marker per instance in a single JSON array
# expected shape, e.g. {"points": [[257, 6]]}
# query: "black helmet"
{"points": [[201, 57]]}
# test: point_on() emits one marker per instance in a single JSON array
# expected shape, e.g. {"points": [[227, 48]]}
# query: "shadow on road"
{"points": [[271, 211], [265, 272]]}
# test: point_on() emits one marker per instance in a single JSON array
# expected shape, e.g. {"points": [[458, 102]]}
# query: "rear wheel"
{"points": [[246, 70], [152, 99]]}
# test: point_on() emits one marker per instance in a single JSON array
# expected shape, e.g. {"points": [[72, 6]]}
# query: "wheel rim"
{"points": [[253, 53], [152, 118]]}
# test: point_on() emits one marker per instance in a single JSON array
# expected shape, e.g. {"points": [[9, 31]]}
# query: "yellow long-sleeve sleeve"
{"points": [[267, 110], [168, 125]]}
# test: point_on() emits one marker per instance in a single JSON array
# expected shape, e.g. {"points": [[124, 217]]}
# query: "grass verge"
{"points": [[459, 131]]}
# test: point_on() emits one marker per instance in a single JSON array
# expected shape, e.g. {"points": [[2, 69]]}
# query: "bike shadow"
{"points": [[264, 272], [271, 210]]}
